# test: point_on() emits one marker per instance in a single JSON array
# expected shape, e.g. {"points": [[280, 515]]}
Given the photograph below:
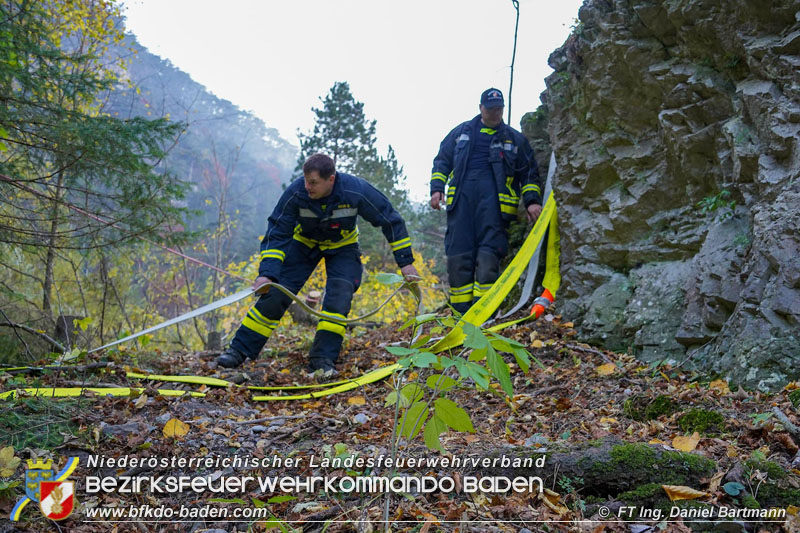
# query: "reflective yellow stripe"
{"points": [[438, 176], [333, 317], [461, 289], [488, 131], [256, 327], [461, 298], [480, 289], [324, 325], [531, 187], [258, 317], [305, 240], [508, 209], [273, 253], [348, 237], [509, 181], [402, 243]]}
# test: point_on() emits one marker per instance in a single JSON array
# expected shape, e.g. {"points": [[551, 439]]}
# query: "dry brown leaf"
{"points": [[715, 482], [656, 441], [686, 444], [537, 344], [679, 492], [356, 400], [553, 500], [606, 369], [174, 428], [141, 401], [567, 325], [787, 442], [792, 510], [732, 452]]}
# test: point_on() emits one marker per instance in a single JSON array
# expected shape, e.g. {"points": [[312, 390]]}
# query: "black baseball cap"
{"points": [[492, 98]]}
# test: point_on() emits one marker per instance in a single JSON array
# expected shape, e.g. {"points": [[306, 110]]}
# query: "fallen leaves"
{"points": [[553, 500], [606, 369], [680, 492], [719, 386], [8, 463], [686, 444], [176, 429]]}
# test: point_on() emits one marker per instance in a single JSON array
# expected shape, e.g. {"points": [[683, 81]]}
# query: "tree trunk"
{"points": [[51, 249]]}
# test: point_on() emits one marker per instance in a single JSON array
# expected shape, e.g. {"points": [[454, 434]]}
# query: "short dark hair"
{"points": [[320, 163]]}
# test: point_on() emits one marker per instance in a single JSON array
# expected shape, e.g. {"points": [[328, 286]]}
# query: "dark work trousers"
{"points": [[475, 241], [343, 267]]}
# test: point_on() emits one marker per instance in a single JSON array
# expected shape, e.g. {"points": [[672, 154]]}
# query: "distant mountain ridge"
{"points": [[236, 163]]}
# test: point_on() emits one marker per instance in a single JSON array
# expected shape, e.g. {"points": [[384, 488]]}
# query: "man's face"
{"points": [[492, 116], [318, 187]]}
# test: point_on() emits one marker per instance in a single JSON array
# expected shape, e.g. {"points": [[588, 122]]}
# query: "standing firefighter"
{"points": [[485, 165], [316, 218]]}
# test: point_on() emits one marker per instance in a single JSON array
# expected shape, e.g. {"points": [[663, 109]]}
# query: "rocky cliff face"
{"points": [[676, 126]]}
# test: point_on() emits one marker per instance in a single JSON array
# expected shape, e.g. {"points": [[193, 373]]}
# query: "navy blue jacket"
{"points": [[510, 156], [298, 217]]}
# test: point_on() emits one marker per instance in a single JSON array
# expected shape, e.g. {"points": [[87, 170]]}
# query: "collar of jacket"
{"points": [[475, 125], [330, 202]]}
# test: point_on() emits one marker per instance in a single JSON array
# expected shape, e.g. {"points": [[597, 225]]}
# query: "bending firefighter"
{"points": [[485, 165], [315, 219]]}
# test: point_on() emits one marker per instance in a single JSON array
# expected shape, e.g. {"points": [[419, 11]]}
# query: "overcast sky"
{"points": [[418, 66]]}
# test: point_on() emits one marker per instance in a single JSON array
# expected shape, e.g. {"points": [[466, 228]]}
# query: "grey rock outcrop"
{"points": [[676, 127]]}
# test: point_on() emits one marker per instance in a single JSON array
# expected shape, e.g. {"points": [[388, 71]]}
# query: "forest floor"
{"points": [[578, 395]]}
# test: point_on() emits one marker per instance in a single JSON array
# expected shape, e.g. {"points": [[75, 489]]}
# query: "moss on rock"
{"points": [[642, 460], [643, 408], [648, 493], [773, 470], [702, 421]]}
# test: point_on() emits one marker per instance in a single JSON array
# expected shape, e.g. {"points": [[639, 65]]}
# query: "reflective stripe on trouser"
{"points": [[341, 285], [475, 241], [342, 264]]}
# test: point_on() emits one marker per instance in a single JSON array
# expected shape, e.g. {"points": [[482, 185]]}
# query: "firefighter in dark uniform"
{"points": [[485, 164], [315, 219]]}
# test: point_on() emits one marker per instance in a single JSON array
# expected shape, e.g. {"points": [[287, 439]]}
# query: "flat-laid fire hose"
{"points": [[476, 315]]}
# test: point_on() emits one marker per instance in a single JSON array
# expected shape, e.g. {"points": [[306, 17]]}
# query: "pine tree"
{"points": [[343, 132]]}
